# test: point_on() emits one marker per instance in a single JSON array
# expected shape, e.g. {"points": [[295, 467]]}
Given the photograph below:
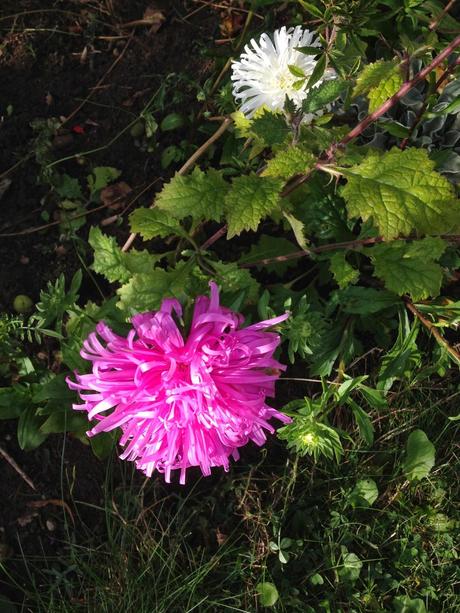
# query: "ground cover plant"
{"points": [[230, 250]]}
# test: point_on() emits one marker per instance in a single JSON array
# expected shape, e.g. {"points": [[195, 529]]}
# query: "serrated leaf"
{"points": [[267, 248], [270, 128], [365, 300], [233, 280], [68, 187], [387, 88], [420, 456], [298, 229], [410, 268], [152, 223], [319, 97], [372, 76], [199, 194], [242, 124], [402, 193], [145, 291], [289, 161], [344, 273], [250, 199], [101, 177], [113, 263]]}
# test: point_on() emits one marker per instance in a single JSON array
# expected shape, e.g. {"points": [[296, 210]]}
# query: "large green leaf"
{"points": [[410, 268], [288, 162], [271, 128], [113, 263], [379, 81], [200, 195], [152, 223], [402, 193], [420, 456], [250, 200]]}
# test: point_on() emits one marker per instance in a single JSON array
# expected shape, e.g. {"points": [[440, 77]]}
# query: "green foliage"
{"points": [[199, 195], [344, 273], [113, 263], [379, 81], [420, 456], [268, 594], [410, 268], [270, 128], [152, 223], [289, 161], [268, 248], [402, 193], [303, 330], [250, 200]]}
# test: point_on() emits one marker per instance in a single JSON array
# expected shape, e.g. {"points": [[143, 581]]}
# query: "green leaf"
{"points": [[173, 121], [365, 300], [268, 594], [68, 187], [12, 402], [267, 248], [289, 161], [319, 97], [298, 228], [102, 445], [113, 263], [405, 604], [271, 128], [380, 81], [410, 268], [145, 291], [296, 71], [55, 389], [344, 273], [199, 194], [152, 223], [366, 429], [30, 435], [351, 568], [420, 456], [364, 494], [250, 199], [233, 280], [65, 421], [101, 177], [309, 50], [402, 193], [318, 71]]}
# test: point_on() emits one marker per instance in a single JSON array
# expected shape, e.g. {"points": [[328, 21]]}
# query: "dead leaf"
{"points": [[39, 504], [26, 519], [154, 17], [114, 196], [221, 537]]}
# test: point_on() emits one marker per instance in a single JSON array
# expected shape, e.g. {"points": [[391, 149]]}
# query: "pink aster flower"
{"points": [[182, 402]]}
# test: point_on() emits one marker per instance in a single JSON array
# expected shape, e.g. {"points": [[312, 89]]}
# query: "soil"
{"points": [[51, 59]]}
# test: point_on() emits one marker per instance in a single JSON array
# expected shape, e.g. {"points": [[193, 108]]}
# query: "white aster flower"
{"points": [[262, 77]]}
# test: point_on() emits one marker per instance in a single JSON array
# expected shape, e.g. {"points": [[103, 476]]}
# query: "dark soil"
{"points": [[51, 59]]}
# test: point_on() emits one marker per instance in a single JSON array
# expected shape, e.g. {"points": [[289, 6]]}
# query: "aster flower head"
{"points": [[263, 78], [182, 402]]}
